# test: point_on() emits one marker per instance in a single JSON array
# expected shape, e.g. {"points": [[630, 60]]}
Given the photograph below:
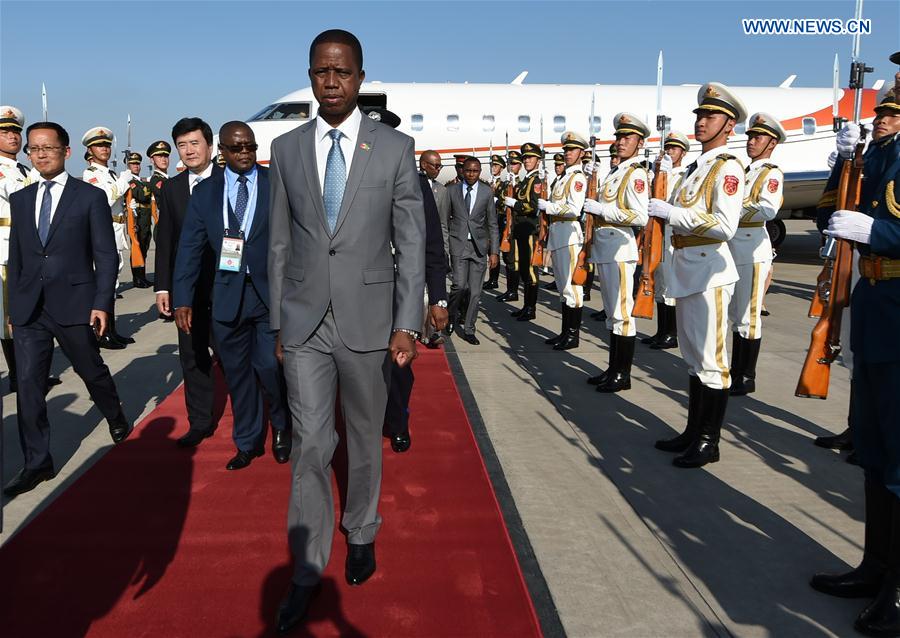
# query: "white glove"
{"points": [[832, 159], [659, 208], [509, 201], [124, 181], [589, 168], [665, 164], [592, 206], [848, 224], [132, 205], [542, 204], [847, 138]]}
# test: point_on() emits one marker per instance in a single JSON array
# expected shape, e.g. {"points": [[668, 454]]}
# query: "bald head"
{"points": [[237, 144], [430, 164], [230, 128]]}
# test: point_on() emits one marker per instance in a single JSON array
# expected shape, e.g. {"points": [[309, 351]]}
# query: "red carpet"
{"points": [[159, 541]]}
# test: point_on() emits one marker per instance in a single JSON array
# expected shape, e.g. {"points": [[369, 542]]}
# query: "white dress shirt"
{"points": [[350, 130], [196, 178], [465, 188], [59, 183]]}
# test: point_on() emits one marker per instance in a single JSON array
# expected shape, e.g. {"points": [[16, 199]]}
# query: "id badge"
{"points": [[232, 253]]}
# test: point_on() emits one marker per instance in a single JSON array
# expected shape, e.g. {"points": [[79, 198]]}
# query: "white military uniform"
{"points": [[623, 198], [115, 188], [708, 205], [660, 296], [13, 177], [752, 248], [565, 238]]}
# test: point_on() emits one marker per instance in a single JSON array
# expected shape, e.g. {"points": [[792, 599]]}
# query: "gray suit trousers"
{"points": [[314, 372], [468, 275]]}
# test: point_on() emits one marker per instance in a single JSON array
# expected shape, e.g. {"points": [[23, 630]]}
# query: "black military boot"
{"points": [[619, 376], [493, 278], [512, 286], [681, 442], [882, 616], [564, 312], [573, 331], [669, 338], [138, 278], [661, 318], [745, 382], [705, 447], [738, 353], [865, 580], [588, 284], [529, 310], [599, 379]]}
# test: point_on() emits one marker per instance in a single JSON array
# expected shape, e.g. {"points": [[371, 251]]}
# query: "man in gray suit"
{"points": [[344, 190], [473, 236], [430, 165]]}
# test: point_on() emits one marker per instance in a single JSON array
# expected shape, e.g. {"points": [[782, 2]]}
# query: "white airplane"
{"points": [[477, 118]]}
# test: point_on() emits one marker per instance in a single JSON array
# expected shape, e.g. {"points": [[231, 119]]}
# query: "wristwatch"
{"points": [[411, 333], [441, 303]]}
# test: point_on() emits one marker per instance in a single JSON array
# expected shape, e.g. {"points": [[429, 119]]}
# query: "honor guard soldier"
{"points": [[526, 222], [704, 213], [98, 141], [622, 206], [752, 248], [676, 147], [559, 167], [512, 276], [138, 204], [13, 177], [875, 341], [158, 152], [613, 157], [565, 238], [498, 186], [459, 159]]}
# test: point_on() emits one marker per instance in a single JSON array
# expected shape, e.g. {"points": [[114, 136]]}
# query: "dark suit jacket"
{"points": [[435, 258], [203, 230], [172, 207], [76, 271]]}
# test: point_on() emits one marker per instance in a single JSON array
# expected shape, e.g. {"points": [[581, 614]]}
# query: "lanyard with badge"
{"points": [[231, 257]]}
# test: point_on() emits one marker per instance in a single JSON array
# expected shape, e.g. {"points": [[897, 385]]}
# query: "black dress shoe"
{"points": [[109, 343], [121, 339], [862, 582], [400, 442], [471, 338], [490, 285], [194, 437], [242, 459], [360, 563], [665, 343], [842, 441], [119, 428], [528, 314], [281, 445], [52, 381], [293, 608], [509, 295], [119, 295], [26, 480]]}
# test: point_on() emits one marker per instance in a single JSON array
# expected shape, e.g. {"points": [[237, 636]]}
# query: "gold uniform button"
{"points": [[875, 204]]}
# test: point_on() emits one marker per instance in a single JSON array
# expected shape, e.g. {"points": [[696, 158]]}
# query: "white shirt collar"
{"points": [[231, 176], [60, 179], [349, 127], [759, 162], [100, 166], [206, 172]]}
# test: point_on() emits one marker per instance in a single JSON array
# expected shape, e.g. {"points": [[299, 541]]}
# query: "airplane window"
{"points": [[452, 122], [417, 122], [559, 123], [809, 126], [740, 128], [284, 111], [596, 125], [487, 123], [524, 123]]}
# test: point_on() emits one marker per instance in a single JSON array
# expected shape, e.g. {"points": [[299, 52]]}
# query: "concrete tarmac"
{"points": [[625, 543]]}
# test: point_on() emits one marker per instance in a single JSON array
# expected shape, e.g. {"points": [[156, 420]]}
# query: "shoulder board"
{"points": [[772, 167], [726, 157], [91, 167]]}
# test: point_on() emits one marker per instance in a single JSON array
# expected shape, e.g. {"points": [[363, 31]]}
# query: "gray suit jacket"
{"points": [[442, 198], [353, 270], [481, 224]]}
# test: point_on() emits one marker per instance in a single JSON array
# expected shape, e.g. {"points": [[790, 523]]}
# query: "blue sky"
{"points": [[224, 60]]}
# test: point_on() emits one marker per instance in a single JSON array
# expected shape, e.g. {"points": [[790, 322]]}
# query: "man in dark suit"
{"points": [[62, 275], [193, 139], [240, 310], [473, 236]]}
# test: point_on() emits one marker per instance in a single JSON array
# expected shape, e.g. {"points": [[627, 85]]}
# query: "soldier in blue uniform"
{"points": [[875, 402]]}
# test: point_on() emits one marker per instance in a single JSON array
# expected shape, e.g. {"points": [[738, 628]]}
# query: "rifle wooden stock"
{"points": [[505, 246], [817, 305], [537, 255], [652, 239], [582, 265], [825, 342]]}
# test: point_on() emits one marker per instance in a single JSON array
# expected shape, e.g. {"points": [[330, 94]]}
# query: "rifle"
{"points": [[537, 256], [580, 275], [825, 342], [505, 246], [652, 238], [820, 294]]}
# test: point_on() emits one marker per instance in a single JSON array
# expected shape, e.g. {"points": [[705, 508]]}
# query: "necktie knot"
{"points": [[242, 179], [48, 183], [335, 134]]}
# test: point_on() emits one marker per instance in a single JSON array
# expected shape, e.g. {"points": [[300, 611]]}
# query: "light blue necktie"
{"points": [[44, 216], [335, 179]]}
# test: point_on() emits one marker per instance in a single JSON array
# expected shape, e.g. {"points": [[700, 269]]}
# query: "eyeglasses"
{"points": [[434, 164], [237, 148], [43, 150]]}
